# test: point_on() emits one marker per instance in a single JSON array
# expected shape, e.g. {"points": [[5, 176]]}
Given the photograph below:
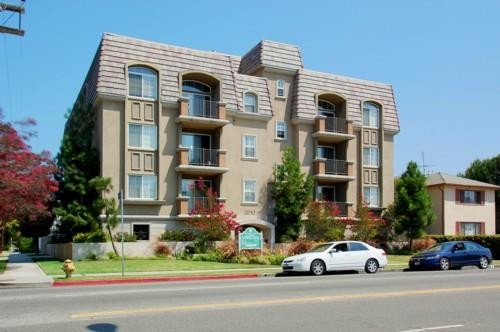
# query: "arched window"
{"points": [[250, 102], [326, 108], [371, 114], [196, 87], [142, 82]]}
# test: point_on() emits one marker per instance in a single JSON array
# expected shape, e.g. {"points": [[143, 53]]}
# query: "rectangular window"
{"points": [[142, 136], [280, 88], [250, 103], [325, 194], [470, 228], [371, 196], [142, 82], [249, 191], [370, 115], [142, 187], [370, 157], [281, 130], [325, 152], [249, 146], [141, 232], [470, 196]]}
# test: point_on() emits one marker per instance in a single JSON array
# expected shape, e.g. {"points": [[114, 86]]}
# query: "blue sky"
{"points": [[442, 58]]}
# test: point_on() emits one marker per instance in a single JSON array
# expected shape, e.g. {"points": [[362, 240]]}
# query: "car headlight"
{"points": [[432, 257]]}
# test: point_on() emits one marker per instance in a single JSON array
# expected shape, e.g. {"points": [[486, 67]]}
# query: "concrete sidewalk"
{"points": [[21, 271]]}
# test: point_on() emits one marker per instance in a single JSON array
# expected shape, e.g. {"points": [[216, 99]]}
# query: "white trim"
{"points": [[243, 187], [127, 197], [256, 101], [142, 125], [371, 148], [368, 202], [278, 88], [243, 155], [276, 130]]}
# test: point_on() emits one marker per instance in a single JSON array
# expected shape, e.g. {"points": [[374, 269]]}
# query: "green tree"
{"points": [[487, 170], [322, 223], [366, 225], [292, 192], [78, 164], [412, 206]]}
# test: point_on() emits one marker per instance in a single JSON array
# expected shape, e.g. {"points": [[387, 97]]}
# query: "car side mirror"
{"points": [[331, 251]]}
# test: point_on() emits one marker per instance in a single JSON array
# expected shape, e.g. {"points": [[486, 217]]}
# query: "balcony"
{"points": [[332, 129], [201, 114], [187, 205], [333, 170], [344, 209], [199, 161]]}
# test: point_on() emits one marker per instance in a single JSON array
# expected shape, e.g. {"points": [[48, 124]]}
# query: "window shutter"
{"points": [[457, 228], [482, 227]]}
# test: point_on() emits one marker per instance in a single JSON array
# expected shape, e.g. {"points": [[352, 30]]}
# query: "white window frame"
{"points": [[369, 162], [256, 106], [244, 146], [244, 191], [142, 196], [154, 74], [285, 130], [280, 88], [370, 124], [368, 198], [141, 146]]}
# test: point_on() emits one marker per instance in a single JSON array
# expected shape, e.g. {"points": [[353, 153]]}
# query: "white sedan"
{"points": [[337, 256]]}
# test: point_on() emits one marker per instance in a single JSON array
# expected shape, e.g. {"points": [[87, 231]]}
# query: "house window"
{"points": [[249, 146], [325, 194], [199, 96], [325, 152], [371, 115], [326, 108], [470, 228], [280, 88], [142, 82], [141, 232], [142, 187], [249, 191], [281, 130], [142, 136], [470, 196], [371, 196], [250, 102], [370, 157]]}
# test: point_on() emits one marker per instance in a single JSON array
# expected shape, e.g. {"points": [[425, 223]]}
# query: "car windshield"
{"points": [[438, 247], [321, 247]]}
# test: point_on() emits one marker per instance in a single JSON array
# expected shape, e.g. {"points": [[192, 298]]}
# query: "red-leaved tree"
{"points": [[210, 217], [27, 180]]}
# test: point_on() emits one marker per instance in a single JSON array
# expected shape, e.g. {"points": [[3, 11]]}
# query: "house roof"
{"points": [[106, 76], [442, 178]]}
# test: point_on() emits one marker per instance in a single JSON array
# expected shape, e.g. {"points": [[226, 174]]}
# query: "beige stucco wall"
{"points": [[469, 212], [387, 159], [436, 195]]}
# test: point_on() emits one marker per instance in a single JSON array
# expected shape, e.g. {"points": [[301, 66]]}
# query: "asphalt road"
{"points": [[466, 300]]}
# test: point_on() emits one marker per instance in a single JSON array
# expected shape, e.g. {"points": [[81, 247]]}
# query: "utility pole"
{"points": [[14, 9]]}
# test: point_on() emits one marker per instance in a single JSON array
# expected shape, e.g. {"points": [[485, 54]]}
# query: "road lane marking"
{"points": [[434, 328], [286, 301]]}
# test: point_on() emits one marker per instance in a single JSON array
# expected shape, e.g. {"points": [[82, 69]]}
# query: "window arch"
{"points": [[326, 108], [191, 86], [142, 82], [251, 105], [371, 114]]}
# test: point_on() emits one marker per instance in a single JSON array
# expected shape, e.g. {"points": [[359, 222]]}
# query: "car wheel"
{"points": [[444, 264], [483, 262], [317, 267], [371, 266]]}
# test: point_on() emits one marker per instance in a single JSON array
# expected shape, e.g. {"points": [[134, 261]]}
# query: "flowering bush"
{"points": [[299, 247], [162, 250], [322, 223], [367, 224]]}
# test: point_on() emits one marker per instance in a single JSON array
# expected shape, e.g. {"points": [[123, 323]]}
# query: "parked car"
{"points": [[449, 255], [337, 256]]}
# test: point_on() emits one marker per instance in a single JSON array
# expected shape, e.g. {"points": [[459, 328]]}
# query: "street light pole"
{"points": [[120, 197]]}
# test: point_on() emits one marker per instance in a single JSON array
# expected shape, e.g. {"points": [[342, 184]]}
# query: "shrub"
{"points": [[25, 244], [178, 235], [421, 244], [322, 223], [275, 259], [489, 241], [92, 237], [92, 257], [228, 249], [162, 250], [299, 247], [127, 237], [111, 255]]}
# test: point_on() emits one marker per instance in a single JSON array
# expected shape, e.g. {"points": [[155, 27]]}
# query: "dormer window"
{"points": [[142, 82], [280, 88], [250, 102], [371, 115], [326, 108]]}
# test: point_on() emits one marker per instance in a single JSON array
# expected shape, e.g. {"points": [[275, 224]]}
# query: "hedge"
{"points": [[488, 241]]}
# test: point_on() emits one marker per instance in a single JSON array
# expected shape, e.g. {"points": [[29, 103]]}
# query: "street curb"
{"points": [[4, 285], [95, 282]]}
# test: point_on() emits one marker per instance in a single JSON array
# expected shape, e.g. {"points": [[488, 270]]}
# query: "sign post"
{"points": [[250, 239]]}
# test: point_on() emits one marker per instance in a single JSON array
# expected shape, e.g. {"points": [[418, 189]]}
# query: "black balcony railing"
{"points": [[336, 167], [203, 157], [336, 125], [203, 108]]}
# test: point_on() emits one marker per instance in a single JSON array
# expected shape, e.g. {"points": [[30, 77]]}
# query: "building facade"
{"points": [[462, 206], [170, 116]]}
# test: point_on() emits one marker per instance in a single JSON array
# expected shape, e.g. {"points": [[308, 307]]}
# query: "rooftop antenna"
{"points": [[14, 9], [424, 166]]}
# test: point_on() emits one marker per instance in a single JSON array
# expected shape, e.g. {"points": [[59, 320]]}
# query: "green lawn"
{"points": [[3, 265], [398, 261], [53, 266]]}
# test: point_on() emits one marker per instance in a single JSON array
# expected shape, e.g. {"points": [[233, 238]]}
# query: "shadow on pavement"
{"points": [[103, 327], [301, 274]]}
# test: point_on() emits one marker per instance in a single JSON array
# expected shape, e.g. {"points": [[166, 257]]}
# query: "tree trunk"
{"points": [[411, 243], [2, 236], [112, 241]]}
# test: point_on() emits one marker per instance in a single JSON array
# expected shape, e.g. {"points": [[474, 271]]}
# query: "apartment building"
{"points": [[170, 116]]}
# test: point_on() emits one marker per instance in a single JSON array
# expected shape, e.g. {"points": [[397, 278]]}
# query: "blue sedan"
{"points": [[454, 254]]}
